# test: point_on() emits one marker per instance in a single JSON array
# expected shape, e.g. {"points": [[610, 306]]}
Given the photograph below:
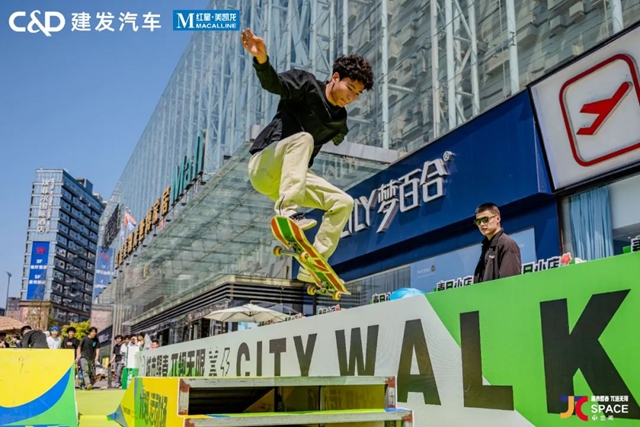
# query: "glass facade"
{"points": [[602, 221], [62, 240], [437, 64]]}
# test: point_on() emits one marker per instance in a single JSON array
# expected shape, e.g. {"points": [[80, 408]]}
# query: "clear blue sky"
{"points": [[78, 101]]}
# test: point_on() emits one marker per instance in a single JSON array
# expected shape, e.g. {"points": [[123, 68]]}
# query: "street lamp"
{"points": [[6, 303]]}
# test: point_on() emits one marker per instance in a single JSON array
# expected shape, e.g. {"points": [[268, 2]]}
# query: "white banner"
{"points": [[589, 113], [405, 338]]}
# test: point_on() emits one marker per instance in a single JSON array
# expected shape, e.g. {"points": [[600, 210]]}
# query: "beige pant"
{"points": [[281, 172]]}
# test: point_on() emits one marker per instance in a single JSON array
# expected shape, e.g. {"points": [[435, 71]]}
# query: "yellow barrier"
{"points": [[37, 387]]}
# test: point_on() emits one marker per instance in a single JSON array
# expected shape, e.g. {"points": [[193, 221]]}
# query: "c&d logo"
{"points": [[574, 402], [36, 25]]}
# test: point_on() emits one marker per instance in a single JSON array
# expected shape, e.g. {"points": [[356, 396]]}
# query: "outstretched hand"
{"points": [[254, 45]]}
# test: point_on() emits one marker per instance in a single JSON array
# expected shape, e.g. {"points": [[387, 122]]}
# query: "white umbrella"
{"points": [[245, 313]]}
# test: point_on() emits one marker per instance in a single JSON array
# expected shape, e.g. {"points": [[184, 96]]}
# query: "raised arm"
{"points": [[289, 85]]}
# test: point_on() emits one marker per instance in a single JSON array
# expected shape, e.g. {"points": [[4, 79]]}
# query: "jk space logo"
{"points": [[574, 403], [39, 22], [601, 110]]}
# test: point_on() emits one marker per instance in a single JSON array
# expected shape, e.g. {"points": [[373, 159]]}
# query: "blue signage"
{"points": [[104, 271], [206, 20], [432, 193], [38, 270]]}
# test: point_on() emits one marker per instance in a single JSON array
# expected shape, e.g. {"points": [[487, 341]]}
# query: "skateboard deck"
{"points": [[296, 245]]}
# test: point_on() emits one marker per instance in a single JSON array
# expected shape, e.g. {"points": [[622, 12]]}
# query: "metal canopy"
{"points": [[224, 229]]}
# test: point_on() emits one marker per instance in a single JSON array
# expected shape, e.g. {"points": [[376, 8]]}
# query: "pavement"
{"points": [[94, 405]]}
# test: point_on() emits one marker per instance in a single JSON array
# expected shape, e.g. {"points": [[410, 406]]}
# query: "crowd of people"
{"points": [[86, 350]]}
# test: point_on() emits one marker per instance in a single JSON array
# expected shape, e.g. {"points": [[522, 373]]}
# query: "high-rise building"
{"points": [[60, 257]]}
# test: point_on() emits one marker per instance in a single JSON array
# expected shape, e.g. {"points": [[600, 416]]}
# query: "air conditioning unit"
{"points": [[576, 12], [557, 25]]}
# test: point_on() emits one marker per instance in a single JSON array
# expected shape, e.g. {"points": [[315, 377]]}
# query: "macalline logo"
{"points": [[601, 110], [36, 25]]}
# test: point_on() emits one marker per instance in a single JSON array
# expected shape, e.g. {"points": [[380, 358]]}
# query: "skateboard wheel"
{"points": [[336, 296], [277, 251], [311, 290]]}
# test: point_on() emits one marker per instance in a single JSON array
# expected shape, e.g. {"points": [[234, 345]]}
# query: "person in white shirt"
{"points": [[54, 340]]}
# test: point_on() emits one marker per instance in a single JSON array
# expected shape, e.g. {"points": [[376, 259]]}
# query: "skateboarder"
{"points": [[310, 113]]}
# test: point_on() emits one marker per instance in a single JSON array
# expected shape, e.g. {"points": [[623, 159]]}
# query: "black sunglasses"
{"points": [[483, 220]]}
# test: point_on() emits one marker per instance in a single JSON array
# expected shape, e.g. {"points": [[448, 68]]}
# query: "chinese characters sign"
{"points": [[529, 267], [185, 174], [47, 188], [38, 270], [85, 22], [408, 192]]}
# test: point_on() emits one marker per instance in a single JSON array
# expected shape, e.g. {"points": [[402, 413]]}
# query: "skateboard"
{"points": [[296, 245]]}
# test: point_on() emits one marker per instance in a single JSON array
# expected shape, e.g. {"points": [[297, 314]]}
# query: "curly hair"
{"points": [[355, 67]]}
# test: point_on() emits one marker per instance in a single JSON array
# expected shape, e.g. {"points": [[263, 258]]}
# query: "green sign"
{"points": [[188, 170], [560, 347]]}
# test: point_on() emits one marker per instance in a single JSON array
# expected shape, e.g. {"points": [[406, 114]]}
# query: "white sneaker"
{"points": [[304, 223], [304, 276]]}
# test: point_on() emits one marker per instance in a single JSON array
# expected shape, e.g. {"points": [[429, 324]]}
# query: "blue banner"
{"points": [[104, 271], [38, 270], [206, 20]]}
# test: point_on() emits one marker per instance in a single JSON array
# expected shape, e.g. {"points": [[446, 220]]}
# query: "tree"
{"points": [[82, 329]]}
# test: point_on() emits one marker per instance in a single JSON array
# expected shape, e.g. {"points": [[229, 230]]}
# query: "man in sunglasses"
{"points": [[500, 253]]}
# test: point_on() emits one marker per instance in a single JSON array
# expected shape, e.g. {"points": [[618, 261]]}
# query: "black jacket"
{"points": [[303, 107], [34, 339], [500, 258]]}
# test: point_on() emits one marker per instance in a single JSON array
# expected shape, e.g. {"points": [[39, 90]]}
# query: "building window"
{"points": [[602, 221]]}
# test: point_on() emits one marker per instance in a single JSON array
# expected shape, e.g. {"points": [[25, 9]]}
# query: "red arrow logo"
{"points": [[603, 109]]}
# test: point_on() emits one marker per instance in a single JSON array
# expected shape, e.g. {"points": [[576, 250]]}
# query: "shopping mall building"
{"points": [[535, 108]]}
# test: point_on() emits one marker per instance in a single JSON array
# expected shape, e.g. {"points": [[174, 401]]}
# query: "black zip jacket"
{"points": [[34, 339], [500, 258], [303, 107]]}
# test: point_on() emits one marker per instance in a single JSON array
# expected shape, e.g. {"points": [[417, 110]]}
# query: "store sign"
{"points": [[186, 173], [440, 185], [589, 113], [459, 357], [410, 191], [377, 298], [45, 208], [104, 337], [184, 176], [38, 270], [529, 267]]}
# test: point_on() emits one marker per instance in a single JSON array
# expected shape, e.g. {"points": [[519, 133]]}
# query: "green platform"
{"points": [[95, 405]]}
